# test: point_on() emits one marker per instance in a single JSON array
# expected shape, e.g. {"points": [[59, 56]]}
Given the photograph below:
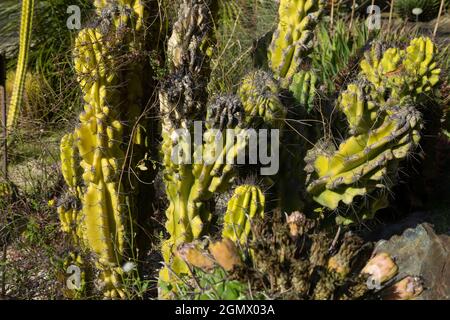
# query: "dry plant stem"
{"points": [[5, 246], [353, 14], [390, 16], [438, 19], [332, 16], [3, 107]]}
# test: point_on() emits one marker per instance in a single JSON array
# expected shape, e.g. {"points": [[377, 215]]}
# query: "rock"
{"points": [[421, 252]]}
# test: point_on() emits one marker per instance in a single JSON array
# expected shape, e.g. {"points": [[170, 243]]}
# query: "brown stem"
{"points": [[3, 108], [353, 14], [390, 16], [438, 18]]}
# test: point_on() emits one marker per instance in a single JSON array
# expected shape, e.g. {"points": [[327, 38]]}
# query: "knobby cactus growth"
{"points": [[384, 126], [102, 203], [293, 39]]}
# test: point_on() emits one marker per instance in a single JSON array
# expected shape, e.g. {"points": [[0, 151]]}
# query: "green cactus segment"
{"points": [[21, 70], [384, 128], [246, 204], [69, 211], [303, 88], [260, 100], [191, 181], [190, 187], [292, 40], [409, 72], [96, 209], [98, 138]]}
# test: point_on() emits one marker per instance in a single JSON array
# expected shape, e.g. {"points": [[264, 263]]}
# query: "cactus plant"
{"points": [[246, 204], [259, 96], [384, 126], [20, 76], [292, 40], [303, 87], [96, 147], [189, 186]]}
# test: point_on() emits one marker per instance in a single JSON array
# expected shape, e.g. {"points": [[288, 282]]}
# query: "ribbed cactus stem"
{"points": [[259, 96], [93, 156], [246, 204], [293, 39], [21, 69], [384, 127]]}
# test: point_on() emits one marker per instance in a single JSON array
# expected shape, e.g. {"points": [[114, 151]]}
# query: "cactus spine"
{"points": [[292, 40], [246, 204], [384, 127], [19, 82]]}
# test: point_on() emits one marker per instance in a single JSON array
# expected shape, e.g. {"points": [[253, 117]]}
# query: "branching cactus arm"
{"points": [[292, 40], [246, 204], [384, 126]]}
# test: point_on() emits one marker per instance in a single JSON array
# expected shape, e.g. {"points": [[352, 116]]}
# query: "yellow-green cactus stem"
{"points": [[69, 166], [98, 138], [293, 38], [246, 204], [361, 163], [384, 128], [410, 72], [21, 70], [113, 92], [303, 88], [189, 187], [183, 96], [259, 96]]}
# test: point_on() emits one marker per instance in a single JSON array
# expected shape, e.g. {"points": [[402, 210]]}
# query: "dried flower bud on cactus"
{"points": [[406, 289], [225, 253], [380, 268]]}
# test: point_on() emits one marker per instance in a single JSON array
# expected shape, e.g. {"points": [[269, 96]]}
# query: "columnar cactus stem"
{"points": [[98, 138], [19, 82], [113, 93], [189, 185], [292, 40]]}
